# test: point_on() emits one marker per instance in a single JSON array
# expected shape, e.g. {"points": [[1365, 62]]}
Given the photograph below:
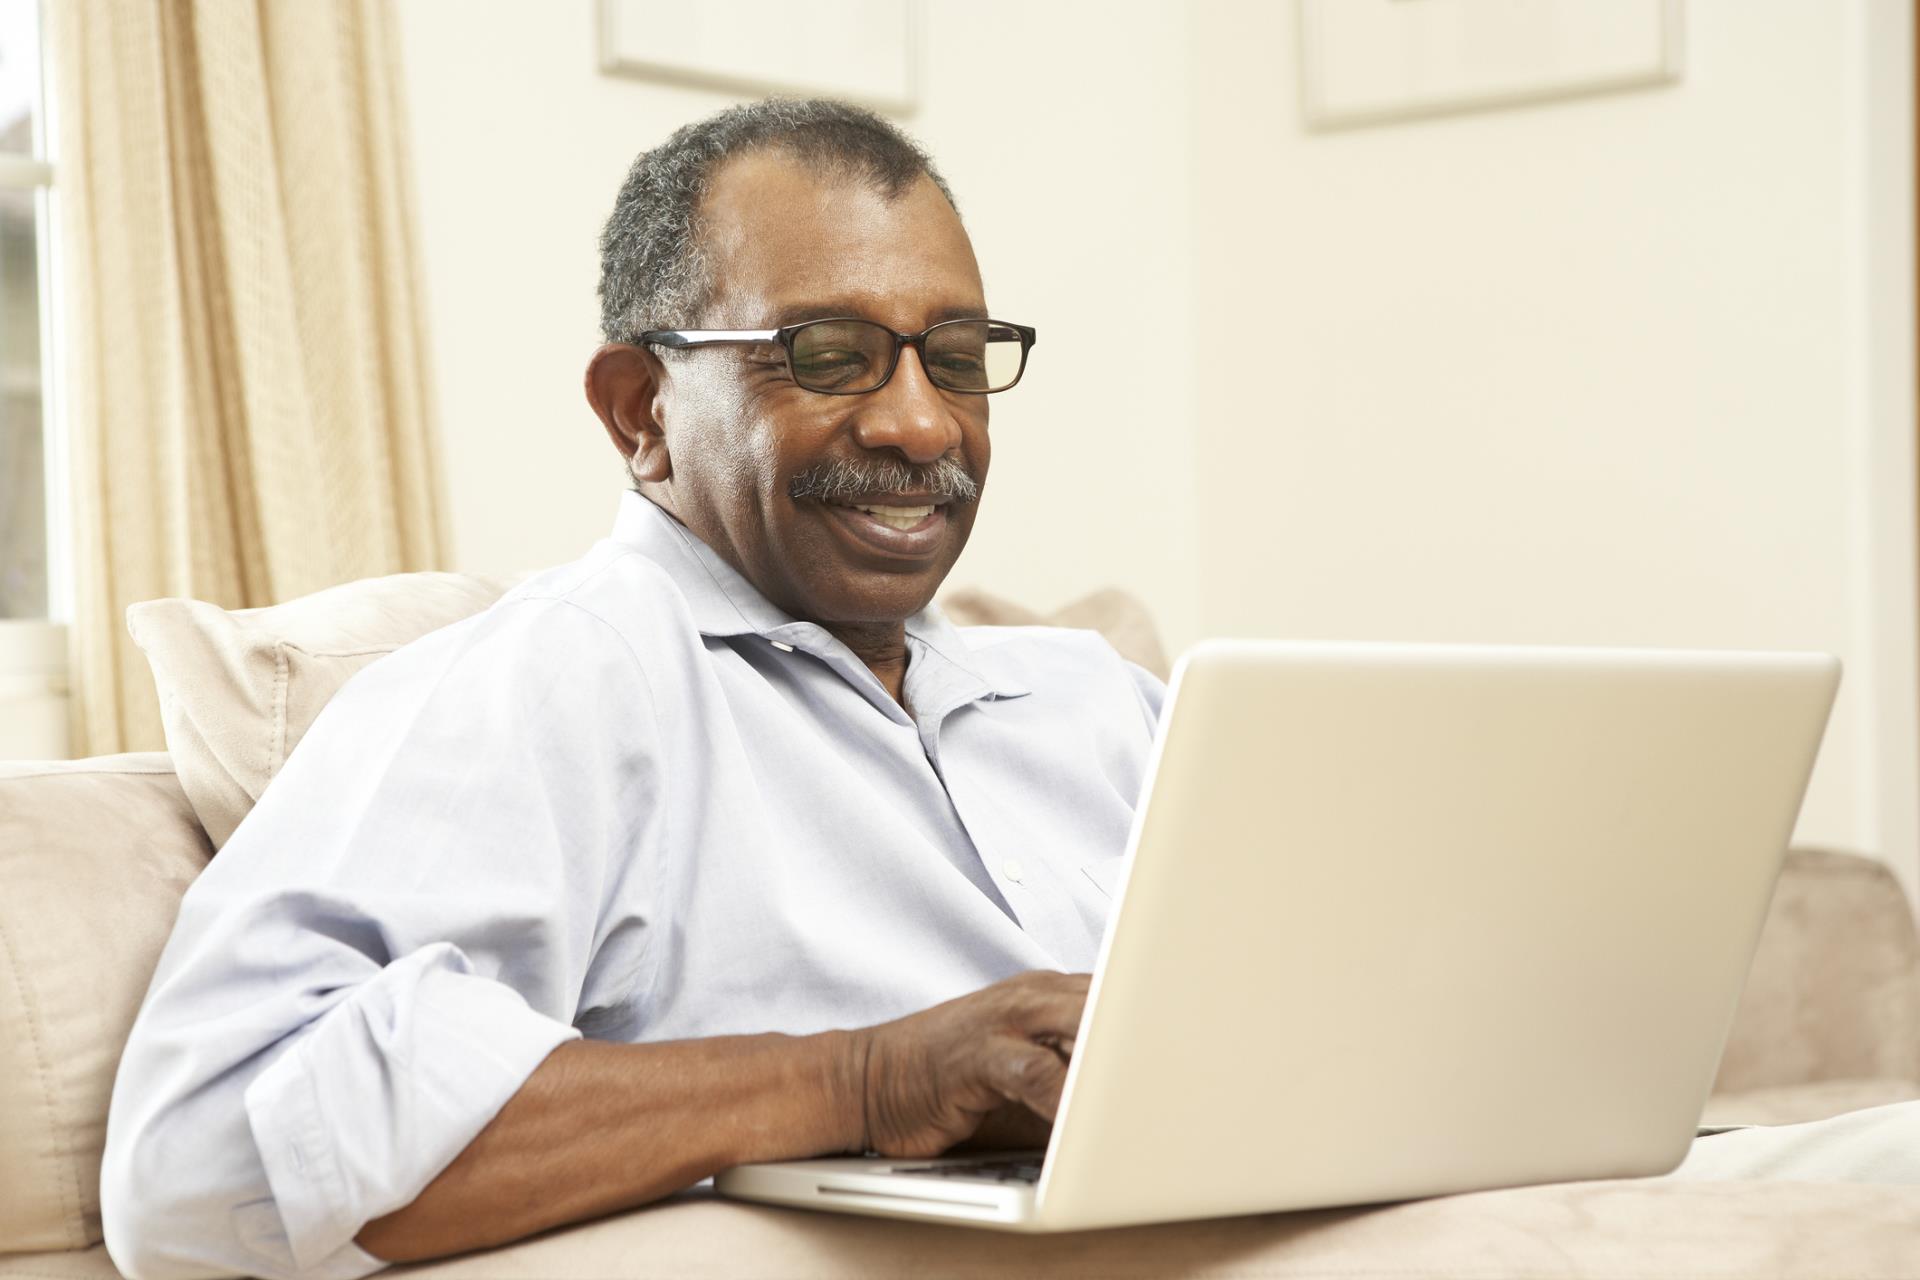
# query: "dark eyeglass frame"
{"points": [[682, 339]]}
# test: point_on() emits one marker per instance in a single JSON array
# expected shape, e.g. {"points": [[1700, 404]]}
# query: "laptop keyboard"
{"points": [[979, 1170]]}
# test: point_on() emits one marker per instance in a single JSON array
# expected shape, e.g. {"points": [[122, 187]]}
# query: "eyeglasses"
{"points": [[850, 357]]}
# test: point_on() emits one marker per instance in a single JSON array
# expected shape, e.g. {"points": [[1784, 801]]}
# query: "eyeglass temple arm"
{"points": [[707, 337]]}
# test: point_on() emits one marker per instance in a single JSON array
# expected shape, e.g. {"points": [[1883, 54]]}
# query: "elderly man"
{"points": [[720, 844]]}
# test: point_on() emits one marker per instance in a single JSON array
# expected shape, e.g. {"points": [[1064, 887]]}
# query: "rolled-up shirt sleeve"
{"points": [[386, 949]]}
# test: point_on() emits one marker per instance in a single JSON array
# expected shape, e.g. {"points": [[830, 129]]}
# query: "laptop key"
{"points": [[980, 1170]]}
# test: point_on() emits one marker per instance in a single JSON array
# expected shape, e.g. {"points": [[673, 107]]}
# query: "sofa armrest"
{"points": [[94, 856]]}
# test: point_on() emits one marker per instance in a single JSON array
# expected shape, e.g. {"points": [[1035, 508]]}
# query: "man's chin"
{"points": [[890, 601]]}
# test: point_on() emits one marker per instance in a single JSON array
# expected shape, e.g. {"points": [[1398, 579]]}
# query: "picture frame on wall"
{"points": [[1367, 62], [863, 51]]}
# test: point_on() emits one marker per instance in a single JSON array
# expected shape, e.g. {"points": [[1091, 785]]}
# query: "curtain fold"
{"points": [[248, 408]]}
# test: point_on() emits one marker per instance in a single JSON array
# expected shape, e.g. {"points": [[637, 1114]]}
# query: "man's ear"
{"points": [[623, 386]]}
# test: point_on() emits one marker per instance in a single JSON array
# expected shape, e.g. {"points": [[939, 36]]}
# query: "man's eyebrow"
{"points": [[800, 314]]}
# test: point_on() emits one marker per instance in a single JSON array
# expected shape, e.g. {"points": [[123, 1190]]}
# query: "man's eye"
{"points": [[960, 371], [831, 359], [830, 367]]}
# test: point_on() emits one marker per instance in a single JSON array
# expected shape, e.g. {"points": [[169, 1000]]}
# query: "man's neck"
{"points": [[882, 646]]}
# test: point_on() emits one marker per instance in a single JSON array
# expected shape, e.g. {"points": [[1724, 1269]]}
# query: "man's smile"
{"points": [[902, 528]]}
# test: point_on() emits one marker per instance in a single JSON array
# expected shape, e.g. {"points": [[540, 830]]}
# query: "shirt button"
{"points": [[1012, 871]]}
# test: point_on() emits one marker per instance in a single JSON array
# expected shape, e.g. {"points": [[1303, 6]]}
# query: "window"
{"points": [[29, 588]]}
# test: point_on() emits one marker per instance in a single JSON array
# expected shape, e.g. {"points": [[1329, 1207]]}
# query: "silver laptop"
{"points": [[1399, 921]]}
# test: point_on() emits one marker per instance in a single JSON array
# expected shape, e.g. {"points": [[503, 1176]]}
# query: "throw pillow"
{"points": [[239, 687]]}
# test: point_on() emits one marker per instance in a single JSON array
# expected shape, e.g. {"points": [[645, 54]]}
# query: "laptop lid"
{"points": [[1401, 920]]}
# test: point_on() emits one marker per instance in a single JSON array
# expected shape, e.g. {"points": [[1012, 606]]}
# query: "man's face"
{"points": [[786, 246]]}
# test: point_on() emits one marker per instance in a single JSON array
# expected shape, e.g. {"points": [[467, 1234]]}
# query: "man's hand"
{"points": [[933, 1077]]}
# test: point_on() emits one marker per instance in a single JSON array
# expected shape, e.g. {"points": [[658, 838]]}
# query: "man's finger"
{"points": [[1056, 1015], [1011, 1126], [1045, 1003], [1028, 1073], [1062, 1045]]}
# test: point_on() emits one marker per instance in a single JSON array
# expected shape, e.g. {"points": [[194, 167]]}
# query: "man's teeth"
{"points": [[898, 517]]}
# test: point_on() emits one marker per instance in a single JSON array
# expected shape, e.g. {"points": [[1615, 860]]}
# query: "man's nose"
{"points": [[909, 414]]}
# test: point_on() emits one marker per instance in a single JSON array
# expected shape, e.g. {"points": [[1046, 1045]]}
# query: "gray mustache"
{"points": [[839, 480]]}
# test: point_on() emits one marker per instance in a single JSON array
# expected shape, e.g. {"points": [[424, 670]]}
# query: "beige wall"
{"points": [[1632, 369], [1595, 371]]}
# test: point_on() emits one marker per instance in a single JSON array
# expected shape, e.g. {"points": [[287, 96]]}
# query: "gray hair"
{"points": [[653, 274]]}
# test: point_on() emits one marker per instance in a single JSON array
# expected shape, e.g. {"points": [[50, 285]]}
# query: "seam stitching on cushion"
{"points": [[154, 771], [63, 1141], [277, 741], [374, 651]]}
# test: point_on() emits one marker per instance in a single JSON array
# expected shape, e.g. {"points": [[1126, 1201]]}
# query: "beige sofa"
{"points": [[94, 855]]}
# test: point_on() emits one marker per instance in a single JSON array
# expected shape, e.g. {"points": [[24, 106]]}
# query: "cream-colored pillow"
{"points": [[239, 688], [1120, 617]]}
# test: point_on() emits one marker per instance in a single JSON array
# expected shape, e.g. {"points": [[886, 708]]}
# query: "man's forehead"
{"points": [[781, 239]]}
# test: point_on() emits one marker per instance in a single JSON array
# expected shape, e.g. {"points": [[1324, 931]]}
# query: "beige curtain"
{"points": [[246, 391]]}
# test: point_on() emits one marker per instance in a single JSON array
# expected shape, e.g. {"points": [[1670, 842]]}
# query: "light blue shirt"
{"points": [[633, 801]]}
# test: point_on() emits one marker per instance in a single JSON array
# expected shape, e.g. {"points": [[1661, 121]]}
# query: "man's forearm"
{"points": [[601, 1127]]}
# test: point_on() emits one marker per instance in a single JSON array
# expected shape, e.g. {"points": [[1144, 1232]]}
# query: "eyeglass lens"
{"points": [[851, 356]]}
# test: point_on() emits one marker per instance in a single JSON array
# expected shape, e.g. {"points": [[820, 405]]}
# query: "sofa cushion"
{"points": [[1834, 991], [94, 855], [240, 687], [1623, 1230], [1640, 1229], [1799, 1103]]}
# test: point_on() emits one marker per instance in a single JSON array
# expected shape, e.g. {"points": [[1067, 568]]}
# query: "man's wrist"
{"points": [[846, 1086]]}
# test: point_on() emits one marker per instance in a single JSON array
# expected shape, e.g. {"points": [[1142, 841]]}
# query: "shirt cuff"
{"points": [[383, 1092]]}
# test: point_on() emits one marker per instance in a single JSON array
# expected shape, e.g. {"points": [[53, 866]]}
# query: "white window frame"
{"points": [[19, 173], [33, 661]]}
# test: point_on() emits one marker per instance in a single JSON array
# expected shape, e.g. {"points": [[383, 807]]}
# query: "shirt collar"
{"points": [[724, 603]]}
